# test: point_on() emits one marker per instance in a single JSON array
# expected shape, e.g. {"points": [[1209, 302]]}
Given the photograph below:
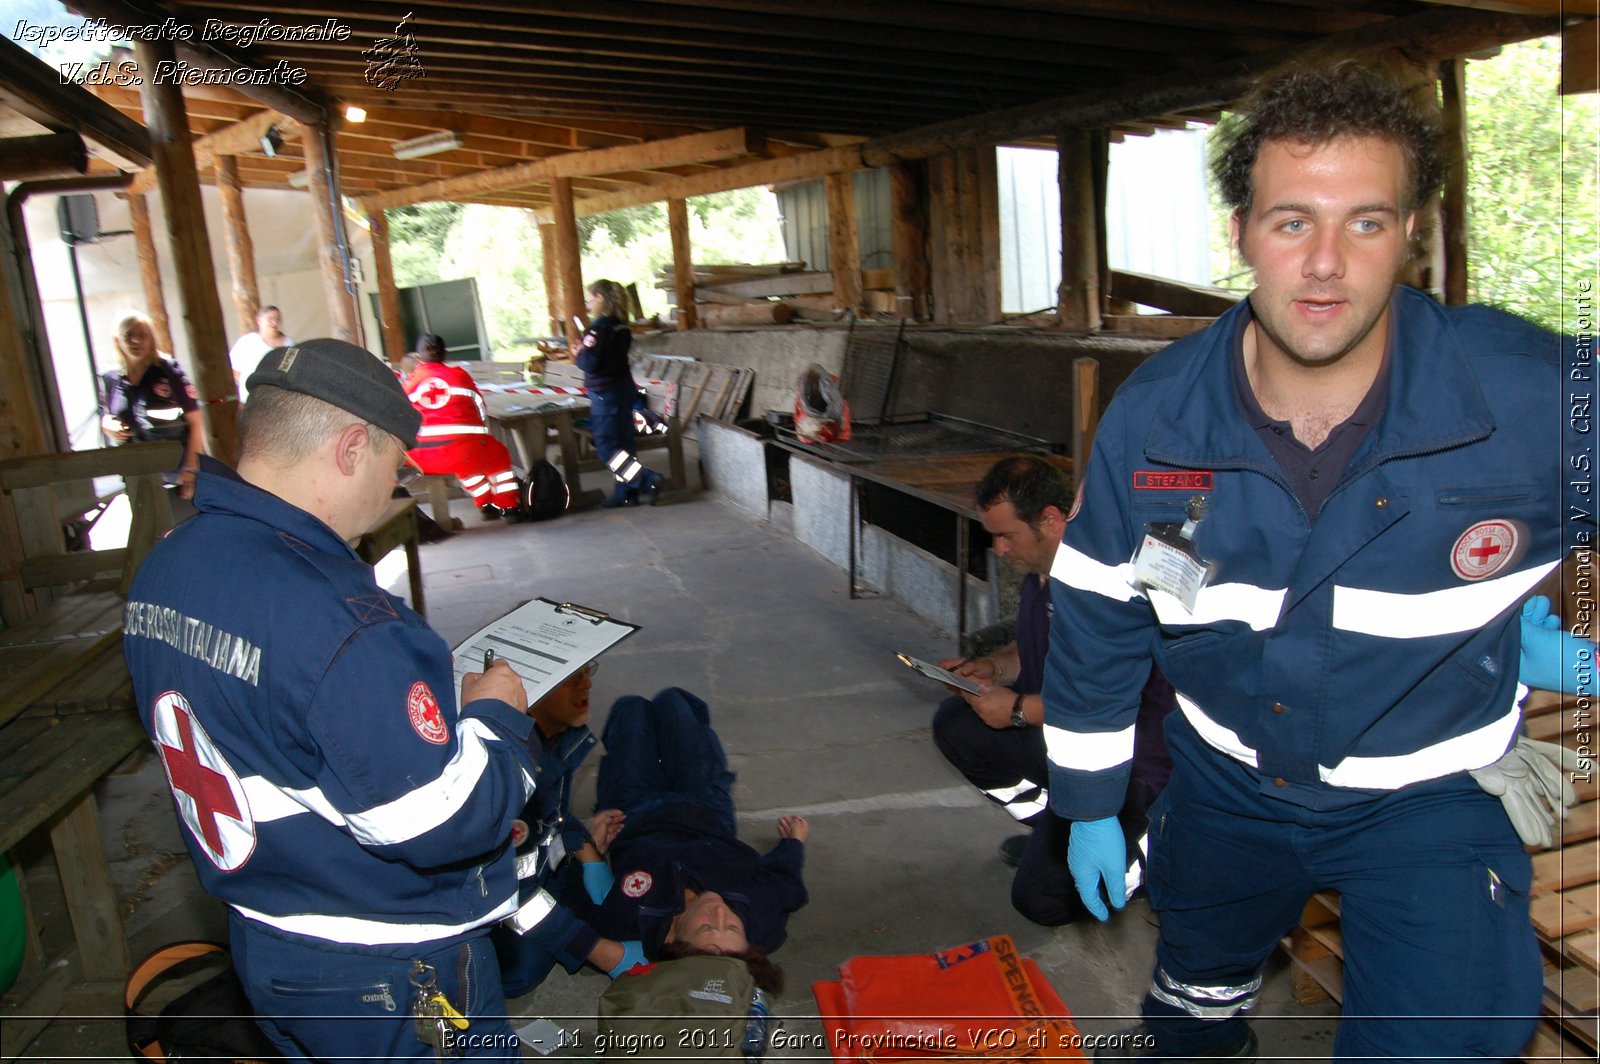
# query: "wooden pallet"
{"points": [[690, 388], [1564, 910]]}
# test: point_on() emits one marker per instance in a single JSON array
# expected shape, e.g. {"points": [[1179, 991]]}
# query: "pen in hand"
{"points": [[488, 659]]}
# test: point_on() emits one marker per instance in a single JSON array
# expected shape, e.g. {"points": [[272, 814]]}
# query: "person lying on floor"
{"points": [[669, 876]]}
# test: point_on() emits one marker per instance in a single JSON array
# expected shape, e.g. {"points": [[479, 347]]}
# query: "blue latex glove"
{"points": [[1552, 659], [597, 880], [1097, 855], [632, 956]]}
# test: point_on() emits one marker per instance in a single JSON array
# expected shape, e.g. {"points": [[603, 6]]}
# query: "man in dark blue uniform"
{"points": [[1321, 514], [995, 738], [352, 814]]}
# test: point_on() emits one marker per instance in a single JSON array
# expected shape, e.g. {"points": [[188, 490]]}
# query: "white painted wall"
{"points": [[287, 271]]}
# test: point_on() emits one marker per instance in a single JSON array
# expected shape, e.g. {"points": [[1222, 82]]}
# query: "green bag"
{"points": [[701, 1007]]}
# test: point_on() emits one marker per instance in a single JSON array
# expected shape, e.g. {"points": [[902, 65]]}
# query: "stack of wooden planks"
{"points": [[1565, 906], [678, 386], [689, 388], [774, 293]]}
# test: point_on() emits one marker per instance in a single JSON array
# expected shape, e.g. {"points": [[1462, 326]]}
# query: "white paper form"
{"points": [[544, 641]]}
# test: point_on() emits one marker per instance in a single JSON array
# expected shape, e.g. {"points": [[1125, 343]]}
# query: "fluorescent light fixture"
{"points": [[432, 144], [299, 179], [271, 142], [352, 113]]}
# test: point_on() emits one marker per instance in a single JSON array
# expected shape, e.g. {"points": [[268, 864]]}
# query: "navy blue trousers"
{"points": [[1440, 959], [663, 750], [323, 1002], [611, 422], [1010, 766]]}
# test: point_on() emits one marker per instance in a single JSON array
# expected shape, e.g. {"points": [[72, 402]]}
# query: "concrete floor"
{"points": [[817, 717]]}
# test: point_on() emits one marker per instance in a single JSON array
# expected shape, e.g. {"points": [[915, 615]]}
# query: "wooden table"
{"points": [[947, 481], [524, 424], [396, 527]]}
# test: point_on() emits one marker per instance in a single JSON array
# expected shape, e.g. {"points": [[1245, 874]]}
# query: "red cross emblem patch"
{"points": [[1484, 549], [636, 884], [210, 798], [426, 716], [431, 394]]}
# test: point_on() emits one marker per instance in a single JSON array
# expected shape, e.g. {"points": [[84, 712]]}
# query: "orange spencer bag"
{"points": [[981, 1003]]}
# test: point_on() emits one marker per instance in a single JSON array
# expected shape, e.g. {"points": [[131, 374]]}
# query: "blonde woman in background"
{"points": [[150, 398]]}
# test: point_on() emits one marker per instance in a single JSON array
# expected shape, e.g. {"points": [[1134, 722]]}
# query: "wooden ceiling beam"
{"points": [[851, 120], [884, 64], [696, 147], [766, 172], [1220, 16], [656, 83], [560, 98], [34, 90], [1564, 8], [303, 105], [651, 23], [240, 137], [1063, 25], [1424, 38], [586, 133]]}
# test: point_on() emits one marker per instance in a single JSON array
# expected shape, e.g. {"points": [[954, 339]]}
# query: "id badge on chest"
{"points": [[1167, 559]]}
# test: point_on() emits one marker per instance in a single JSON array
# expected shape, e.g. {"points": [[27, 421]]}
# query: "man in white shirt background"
{"points": [[246, 352]]}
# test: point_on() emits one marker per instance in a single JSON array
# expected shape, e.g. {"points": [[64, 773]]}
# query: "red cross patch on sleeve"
{"points": [[427, 719]]}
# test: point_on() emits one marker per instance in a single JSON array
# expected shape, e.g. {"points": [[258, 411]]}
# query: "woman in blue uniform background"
{"points": [[149, 398], [602, 354]]}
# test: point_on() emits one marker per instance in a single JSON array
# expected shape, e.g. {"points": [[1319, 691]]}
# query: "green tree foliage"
{"points": [[1533, 207], [500, 247]]}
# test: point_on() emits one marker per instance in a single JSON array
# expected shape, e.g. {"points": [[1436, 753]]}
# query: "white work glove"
{"points": [[1533, 782]]}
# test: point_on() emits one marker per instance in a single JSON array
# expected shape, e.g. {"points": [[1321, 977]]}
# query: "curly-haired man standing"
{"points": [[1321, 513]]}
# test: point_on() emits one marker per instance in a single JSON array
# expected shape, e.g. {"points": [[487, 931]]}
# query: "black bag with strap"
{"points": [[212, 1020], [544, 493]]}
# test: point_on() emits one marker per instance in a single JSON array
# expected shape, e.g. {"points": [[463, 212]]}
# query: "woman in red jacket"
{"points": [[454, 439]]}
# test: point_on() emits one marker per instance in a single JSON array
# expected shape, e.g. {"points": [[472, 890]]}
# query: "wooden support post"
{"points": [[168, 124], [682, 262], [1078, 300], [552, 279], [1453, 211], [569, 268], [155, 300], [22, 431], [325, 199], [1100, 161], [241, 253], [982, 170], [390, 322], [1425, 268], [844, 249], [909, 237], [86, 885], [1085, 412]]}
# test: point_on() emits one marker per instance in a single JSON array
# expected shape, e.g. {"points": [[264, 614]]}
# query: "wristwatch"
{"points": [[1017, 719]]}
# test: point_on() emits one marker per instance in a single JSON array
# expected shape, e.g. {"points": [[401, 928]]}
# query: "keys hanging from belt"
{"points": [[437, 1021]]}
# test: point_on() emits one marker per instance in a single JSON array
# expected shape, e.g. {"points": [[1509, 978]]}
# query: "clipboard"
{"points": [[945, 676], [544, 641]]}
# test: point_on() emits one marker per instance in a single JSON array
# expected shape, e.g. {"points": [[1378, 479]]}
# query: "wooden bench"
{"points": [[67, 713], [436, 489], [396, 527]]}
